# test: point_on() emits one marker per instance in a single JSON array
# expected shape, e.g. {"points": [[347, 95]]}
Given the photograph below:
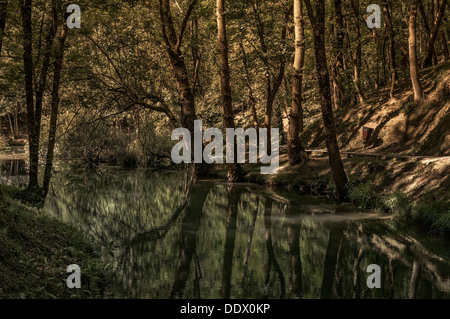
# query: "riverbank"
{"points": [[35, 251], [412, 189]]}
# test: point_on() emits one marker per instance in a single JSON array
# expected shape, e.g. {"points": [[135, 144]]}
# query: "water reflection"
{"points": [[173, 238], [13, 172]]}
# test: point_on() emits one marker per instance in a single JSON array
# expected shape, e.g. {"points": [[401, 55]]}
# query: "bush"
{"points": [[364, 195], [434, 215], [399, 204]]}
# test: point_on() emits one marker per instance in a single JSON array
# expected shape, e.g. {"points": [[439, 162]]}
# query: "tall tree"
{"points": [[54, 104], [434, 32], [357, 55], [323, 77], [235, 172], [275, 75], [25, 8], [173, 41], [251, 95], [387, 9], [338, 56], [296, 151], [413, 67]]}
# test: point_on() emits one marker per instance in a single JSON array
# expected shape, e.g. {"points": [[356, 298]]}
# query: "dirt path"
{"points": [[380, 155]]}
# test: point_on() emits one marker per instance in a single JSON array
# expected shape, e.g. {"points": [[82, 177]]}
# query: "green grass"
{"points": [[35, 251], [432, 214]]}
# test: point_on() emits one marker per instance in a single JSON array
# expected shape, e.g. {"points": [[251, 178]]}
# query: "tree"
{"points": [[387, 9], [414, 69], [357, 55], [323, 77], [54, 105], [235, 172], [296, 151], [173, 41], [434, 32], [26, 6], [338, 56], [274, 71]]}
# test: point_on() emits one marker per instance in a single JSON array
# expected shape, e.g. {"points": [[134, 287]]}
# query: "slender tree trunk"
{"points": [[273, 83], [11, 126], [426, 25], [444, 45], [54, 107], [25, 8], [16, 121], [338, 56], [235, 172], [434, 32], [323, 78], [251, 96], [3, 6], [357, 55], [390, 31], [296, 152], [414, 69]]}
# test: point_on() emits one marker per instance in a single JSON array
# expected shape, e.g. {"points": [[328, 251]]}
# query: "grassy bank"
{"points": [[35, 251]]}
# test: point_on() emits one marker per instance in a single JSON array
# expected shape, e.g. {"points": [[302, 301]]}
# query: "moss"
{"points": [[35, 251]]}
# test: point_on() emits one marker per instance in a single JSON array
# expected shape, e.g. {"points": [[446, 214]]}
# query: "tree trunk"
{"points": [[25, 8], [323, 78], [444, 45], [3, 6], [173, 42], [434, 32], [296, 152], [357, 55], [54, 107], [251, 96], [235, 172], [338, 60], [390, 31], [414, 69], [274, 82]]}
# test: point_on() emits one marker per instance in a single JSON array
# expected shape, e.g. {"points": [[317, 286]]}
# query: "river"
{"points": [[166, 237]]}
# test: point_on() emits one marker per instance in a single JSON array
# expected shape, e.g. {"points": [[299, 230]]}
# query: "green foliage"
{"points": [[364, 195], [435, 215], [35, 251]]}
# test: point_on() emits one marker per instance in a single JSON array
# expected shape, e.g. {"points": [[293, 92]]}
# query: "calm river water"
{"points": [[171, 238]]}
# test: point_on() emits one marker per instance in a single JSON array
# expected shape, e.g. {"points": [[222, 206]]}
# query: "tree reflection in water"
{"points": [[176, 238]]}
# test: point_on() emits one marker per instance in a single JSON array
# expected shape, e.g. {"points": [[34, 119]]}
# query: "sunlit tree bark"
{"points": [[413, 67], [296, 151]]}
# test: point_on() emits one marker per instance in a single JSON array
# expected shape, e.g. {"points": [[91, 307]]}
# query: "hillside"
{"points": [[400, 126]]}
